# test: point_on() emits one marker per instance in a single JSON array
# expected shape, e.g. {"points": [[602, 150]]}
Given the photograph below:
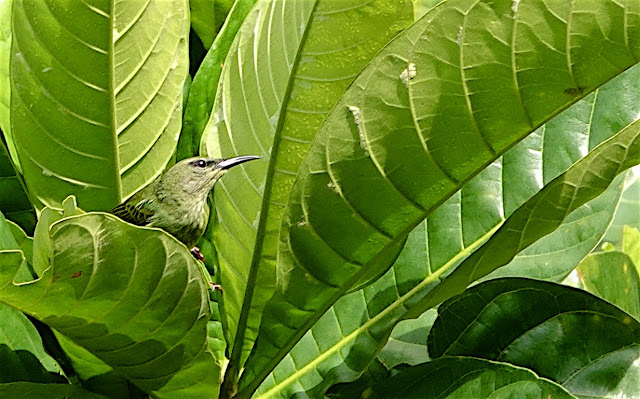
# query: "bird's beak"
{"points": [[231, 162]]}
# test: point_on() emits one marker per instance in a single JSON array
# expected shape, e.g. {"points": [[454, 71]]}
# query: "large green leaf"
{"points": [[205, 83], [341, 343], [462, 378], [407, 343], [5, 83], [421, 7], [437, 86], [285, 70], [580, 341], [134, 297], [95, 112]]}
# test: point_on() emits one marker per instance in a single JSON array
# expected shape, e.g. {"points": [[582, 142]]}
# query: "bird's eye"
{"points": [[201, 163]]}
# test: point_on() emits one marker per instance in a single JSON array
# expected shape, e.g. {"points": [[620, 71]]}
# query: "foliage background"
{"points": [[445, 204]]}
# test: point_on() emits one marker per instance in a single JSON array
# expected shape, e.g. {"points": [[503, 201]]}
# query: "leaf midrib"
{"points": [[397, 303], [112, 99], [238, 343], [262, 374]]}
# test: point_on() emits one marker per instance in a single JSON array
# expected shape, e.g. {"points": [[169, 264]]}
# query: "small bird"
{"points": [[177, 201]]}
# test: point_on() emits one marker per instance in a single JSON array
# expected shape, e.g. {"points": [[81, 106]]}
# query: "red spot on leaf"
{"points": [[76, 274]]}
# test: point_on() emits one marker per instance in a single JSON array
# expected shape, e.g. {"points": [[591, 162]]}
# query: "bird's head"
{"points": [[198, 175]]}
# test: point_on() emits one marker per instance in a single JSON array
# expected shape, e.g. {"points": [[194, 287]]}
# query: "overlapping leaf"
{"points": [[205, 82], [461, 378], [343, 341], [562, 333], [285, 71], [14, 203], [612, 276], [373, 143], [133, 297], [96, 112], [628, 212], [5, 83], [21, 351], [28, 390]]}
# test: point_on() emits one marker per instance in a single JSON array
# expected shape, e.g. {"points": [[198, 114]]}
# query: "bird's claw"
{"points": [[195, 251], [215, 287]]}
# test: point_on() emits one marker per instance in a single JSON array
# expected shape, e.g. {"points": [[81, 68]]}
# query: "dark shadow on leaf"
{"points": [[22, 365]]}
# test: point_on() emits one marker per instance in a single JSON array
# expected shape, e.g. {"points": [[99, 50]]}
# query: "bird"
{"points": [[176, 202]]}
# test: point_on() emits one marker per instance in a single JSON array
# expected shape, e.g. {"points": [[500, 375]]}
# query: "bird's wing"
{"points": [[135, 211]]}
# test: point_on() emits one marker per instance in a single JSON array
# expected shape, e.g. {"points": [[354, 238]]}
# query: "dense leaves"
{"points": [[284, 72], [105, 102], [205, 83], [390, 138], [147, 322], [399, 168], [567, 335], [14, 203], [459, 378]]}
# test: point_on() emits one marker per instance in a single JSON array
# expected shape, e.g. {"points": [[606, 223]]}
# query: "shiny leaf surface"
{"points": [[286, 69], [105, 102], [133, 297], [567, 335], [612, 276], [389, 138], [205, 82], [14, 203], [462, 378]]}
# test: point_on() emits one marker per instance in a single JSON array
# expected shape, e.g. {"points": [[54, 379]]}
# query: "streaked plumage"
{"points": [[177, 201]]}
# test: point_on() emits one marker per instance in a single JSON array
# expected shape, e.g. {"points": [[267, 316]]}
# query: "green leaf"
{"points": [[205, 83], [561, 333], [613, 277], [14, 203], [105, 102], [360, 388], [462, 378], [284, 72], [543, 213], [96, 376], [22, 354], [208, 16], [25, 243], [134, 297], [555, 255], [203, 20], [628, 212], [421, 7], [28, 390], [15, 239], [439, 87], [631, 245], [5, 80], [408, 341]]}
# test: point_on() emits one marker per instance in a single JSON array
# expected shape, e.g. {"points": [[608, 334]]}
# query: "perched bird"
{"points": [[177, 201]]}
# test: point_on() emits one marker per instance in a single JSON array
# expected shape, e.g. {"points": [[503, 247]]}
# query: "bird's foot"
{"points": [[215, 287], [195, 251]]}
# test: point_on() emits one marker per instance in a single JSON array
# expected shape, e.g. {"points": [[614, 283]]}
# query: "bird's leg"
{"points": [[195, 251]]}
